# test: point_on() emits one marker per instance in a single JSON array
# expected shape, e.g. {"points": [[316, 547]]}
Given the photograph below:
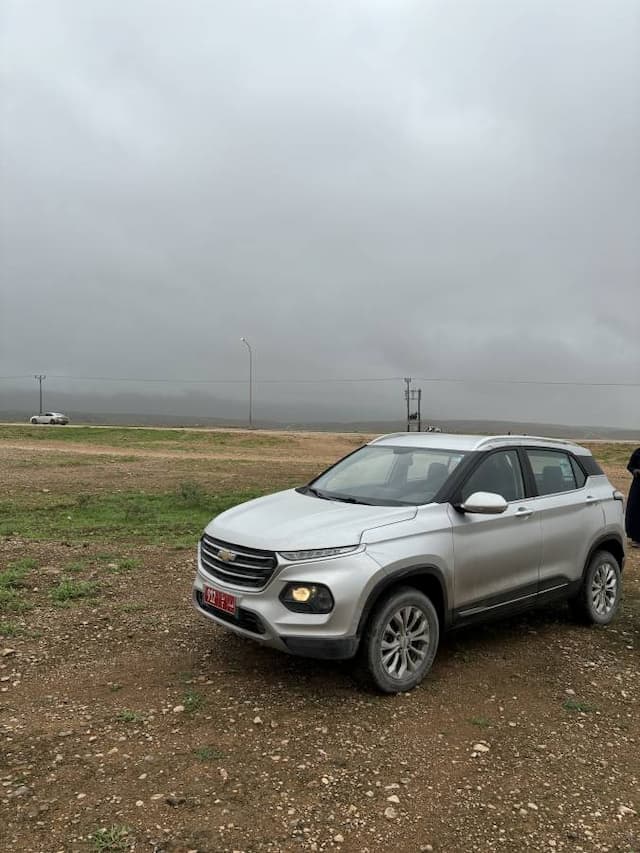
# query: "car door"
{"points": [[571, 516], [496, 557]]}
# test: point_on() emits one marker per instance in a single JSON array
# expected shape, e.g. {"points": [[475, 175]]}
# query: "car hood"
{"points": [[291, 521]]}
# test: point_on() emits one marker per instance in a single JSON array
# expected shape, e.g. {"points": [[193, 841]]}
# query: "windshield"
{"points": [[387, 476]]}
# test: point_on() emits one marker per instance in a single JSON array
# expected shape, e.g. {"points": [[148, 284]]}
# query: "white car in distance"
{"points": [[50, 418]]}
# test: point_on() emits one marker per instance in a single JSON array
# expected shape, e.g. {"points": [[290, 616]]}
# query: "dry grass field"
{"points": [[128, 723]]}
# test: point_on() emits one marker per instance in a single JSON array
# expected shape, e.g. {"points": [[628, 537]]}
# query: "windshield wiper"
{"points": [[309, 490], [327, 496], [347, 499]]}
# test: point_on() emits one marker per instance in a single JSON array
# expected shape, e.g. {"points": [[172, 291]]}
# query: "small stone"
{"points": [[532, 806], [178, 709], [338, 838], [174, 801], [139, 803], [368, 793], [257, 721], [390, 813], [426, 848], [481, 747], [394, 798], [7, 652], [624, 811], [22, 791]]}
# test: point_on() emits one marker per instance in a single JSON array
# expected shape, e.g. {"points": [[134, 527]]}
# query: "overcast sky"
{"points": [[436, 189]]}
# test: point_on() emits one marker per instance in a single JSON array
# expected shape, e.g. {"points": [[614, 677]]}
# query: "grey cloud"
{"points": [[362, 189]]}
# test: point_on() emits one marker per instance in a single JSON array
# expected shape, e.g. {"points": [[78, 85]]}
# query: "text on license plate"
{"points": [[220, 600]]}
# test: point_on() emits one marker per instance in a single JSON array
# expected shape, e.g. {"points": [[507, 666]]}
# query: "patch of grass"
{"points": [[192, 494], [128, 716], [10, 629], [71, 590], [78, 566], [192, 701], [577, 705], [135, 607], [207, 753], [13, 576], [611, 454], [12, 583], [114, 839], [140, 437], [114, 687], [13, 601], [160, 519], [125, 564], [481, 722]]}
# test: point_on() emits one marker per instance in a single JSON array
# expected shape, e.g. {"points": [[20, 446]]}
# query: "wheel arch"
{"points": [[612, 544], [428, 579]]}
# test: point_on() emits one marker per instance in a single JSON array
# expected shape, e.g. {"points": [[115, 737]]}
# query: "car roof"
{"points": [[451, 441]]}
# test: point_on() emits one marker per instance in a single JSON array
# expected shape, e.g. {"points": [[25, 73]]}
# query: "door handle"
{"points": [[591, 499], [523, 512]]}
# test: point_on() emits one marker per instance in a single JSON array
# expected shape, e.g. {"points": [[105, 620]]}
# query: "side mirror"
{"points": [[484, 503]]}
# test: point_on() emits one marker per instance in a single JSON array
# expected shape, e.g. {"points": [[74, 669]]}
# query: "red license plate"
{"points": [[220, 600]]}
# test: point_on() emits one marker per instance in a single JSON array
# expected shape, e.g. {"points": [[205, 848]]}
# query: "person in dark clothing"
{"points": [[632, 518]]}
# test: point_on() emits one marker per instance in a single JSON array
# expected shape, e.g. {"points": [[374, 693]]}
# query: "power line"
{"points": [[342, 380]]}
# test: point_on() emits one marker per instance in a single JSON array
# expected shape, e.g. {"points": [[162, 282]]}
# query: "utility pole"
{"points": [[407, 395], [248, 345], [39, 378]]}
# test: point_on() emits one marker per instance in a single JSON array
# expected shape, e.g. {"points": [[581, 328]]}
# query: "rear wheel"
{"points": [[598, 600], [400, 641]]}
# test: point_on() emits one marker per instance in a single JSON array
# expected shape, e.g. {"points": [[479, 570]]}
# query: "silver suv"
{"points": [[411, 535]]}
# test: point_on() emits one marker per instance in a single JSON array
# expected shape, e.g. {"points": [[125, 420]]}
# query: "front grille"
{"points": [[242, 618], [245, 567]]}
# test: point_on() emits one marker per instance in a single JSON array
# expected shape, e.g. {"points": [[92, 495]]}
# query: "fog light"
{"points": [[302, 593], [307, 598]]}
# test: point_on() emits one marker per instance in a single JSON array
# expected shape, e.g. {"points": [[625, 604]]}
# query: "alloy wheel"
{"points": [[604, 589], [405, 642]]}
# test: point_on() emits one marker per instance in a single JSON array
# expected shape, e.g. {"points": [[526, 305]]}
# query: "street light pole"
{"points": [[248, 345], [39, 377]]}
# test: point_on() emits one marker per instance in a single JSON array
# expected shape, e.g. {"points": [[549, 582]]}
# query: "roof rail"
{"points": [[544, 439], [388, 435]]}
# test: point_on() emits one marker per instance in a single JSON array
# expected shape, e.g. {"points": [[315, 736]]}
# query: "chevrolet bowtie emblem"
{"points": [[227, 556]]}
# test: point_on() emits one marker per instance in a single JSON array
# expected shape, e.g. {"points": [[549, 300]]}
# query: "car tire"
{"points": [[34, 421], [400, 641], [598, 600]]}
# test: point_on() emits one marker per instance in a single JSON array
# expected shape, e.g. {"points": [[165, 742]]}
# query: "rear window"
{"points": [[591, 466]]}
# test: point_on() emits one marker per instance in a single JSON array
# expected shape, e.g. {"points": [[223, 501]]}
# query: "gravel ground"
{"points": [[129, 723]]}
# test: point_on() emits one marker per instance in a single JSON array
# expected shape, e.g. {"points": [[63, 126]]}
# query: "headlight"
{"points": [[317, 553], [307, 598]]}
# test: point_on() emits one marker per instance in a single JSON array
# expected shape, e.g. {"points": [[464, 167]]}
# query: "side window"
{"points": [[499, 473], [553, 471]]}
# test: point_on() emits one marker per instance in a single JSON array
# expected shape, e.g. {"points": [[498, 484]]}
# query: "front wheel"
{"points": [[598, 600], [34, 420], [400, 641]]}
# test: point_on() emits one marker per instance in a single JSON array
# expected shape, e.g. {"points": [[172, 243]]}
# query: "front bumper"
{"points": [[261, 616]]}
